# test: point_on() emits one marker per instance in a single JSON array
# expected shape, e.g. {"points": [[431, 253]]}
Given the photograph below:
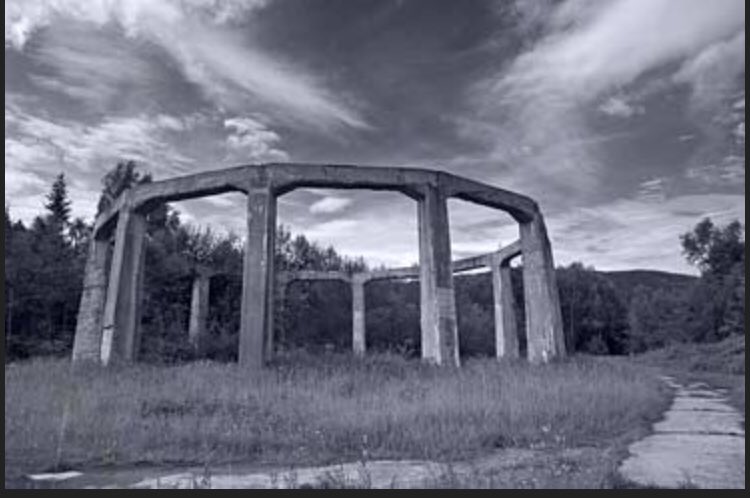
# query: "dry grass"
{"points": [[720, 364], [313, 410]]}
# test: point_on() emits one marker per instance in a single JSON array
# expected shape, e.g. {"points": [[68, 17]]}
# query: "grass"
{"points": [[720, 364], [309, 410]]}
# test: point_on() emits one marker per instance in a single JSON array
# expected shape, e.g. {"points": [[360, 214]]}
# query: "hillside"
{"points": [[626, 281]]}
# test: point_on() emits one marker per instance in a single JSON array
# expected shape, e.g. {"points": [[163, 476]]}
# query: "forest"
{"points": [[603, 312]]}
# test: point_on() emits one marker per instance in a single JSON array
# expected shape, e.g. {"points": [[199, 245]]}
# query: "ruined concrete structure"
{"points": [[108, 328], [506, 329]]}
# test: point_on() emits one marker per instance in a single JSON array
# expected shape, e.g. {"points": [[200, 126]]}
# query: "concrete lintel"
{"points": [[290, 276], [285, 177]]}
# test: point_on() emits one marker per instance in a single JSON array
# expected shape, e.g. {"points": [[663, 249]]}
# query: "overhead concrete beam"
{"points": [[285, 177]]}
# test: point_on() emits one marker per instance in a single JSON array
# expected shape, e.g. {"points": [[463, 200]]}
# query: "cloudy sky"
{"points": [[623, 118]]}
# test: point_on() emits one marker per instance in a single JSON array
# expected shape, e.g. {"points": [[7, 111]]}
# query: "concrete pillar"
{"points": [[256, 314], [544, 328], [358, 315], [197, 329], [506, 329], [122, 310], [437, 297], [280, 320], [88, 337]]}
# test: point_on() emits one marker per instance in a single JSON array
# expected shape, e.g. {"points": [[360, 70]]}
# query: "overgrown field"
{"points": [[720, 364], [313, 410]]}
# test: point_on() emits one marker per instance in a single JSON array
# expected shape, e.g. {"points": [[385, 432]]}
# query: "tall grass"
{"points": [[723, 357], [313, 410]]}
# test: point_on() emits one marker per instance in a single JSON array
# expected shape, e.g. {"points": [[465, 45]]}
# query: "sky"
{"points": [[624, 119]]}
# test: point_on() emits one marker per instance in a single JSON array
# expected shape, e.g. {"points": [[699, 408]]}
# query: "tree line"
{"points": [[44, 265]]}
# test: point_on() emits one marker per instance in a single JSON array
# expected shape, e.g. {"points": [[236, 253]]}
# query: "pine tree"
{"points": [[58, 203]]}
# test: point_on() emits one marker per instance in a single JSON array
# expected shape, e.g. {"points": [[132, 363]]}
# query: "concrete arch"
{"points": [[109, 315]]}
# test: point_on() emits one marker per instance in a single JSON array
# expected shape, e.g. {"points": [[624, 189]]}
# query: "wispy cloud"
{"points": [[87, 65], [38, 146], [637, 232], [211, 54], [535, 108]]}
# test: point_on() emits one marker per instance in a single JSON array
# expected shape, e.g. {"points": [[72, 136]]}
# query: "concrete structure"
{"points": [[197, 330], [506, 330], [117, 333]]}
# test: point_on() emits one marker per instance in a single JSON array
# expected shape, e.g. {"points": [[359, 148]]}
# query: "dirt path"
{"points": [[699, 443], [508, 468]]}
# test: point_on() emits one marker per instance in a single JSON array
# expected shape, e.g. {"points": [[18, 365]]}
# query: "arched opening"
{"points": [[192, 280], [378, 226], [478, 230]]}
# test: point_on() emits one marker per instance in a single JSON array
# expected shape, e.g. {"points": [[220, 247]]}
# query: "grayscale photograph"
{"points": [[374, 244]]}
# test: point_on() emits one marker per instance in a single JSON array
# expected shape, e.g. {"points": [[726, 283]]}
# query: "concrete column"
{"points": [[88, 337], [199, 312], [506, 329], [437, 297], [544, 328], [256, 318], [280, 322], [358, 315], [122, 310]]}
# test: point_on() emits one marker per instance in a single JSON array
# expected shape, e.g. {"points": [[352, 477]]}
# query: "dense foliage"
{"points": [[603, 313]]}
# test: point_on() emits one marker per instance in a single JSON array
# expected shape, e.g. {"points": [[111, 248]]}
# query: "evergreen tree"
{"points": [[58, 203], [116, 181]]}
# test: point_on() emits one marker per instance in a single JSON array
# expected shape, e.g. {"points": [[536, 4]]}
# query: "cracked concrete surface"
{"points": [[699, 443]]}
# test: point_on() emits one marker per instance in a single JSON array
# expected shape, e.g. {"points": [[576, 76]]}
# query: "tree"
{"points": [[119, 179], [657, 317], [716, 306], [714, 250], [58, 203]]}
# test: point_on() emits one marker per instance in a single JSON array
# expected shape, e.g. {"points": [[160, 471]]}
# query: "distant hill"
{"points": [[626, 281]]}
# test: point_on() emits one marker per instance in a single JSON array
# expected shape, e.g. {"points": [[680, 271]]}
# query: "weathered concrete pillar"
{"points": [[88, 337], [256, 314], [358, 315], [280, 320], [122, 310], [437, 297], [197, 331], [506, 329], [544, 328]]}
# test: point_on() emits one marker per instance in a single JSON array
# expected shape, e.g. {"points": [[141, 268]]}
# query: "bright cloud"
{"points": [[617, 106], [251, 141], [329, 205]]}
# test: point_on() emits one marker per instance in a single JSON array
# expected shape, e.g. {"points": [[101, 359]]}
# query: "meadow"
{"points": [[720, 365], [307, 409]]}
